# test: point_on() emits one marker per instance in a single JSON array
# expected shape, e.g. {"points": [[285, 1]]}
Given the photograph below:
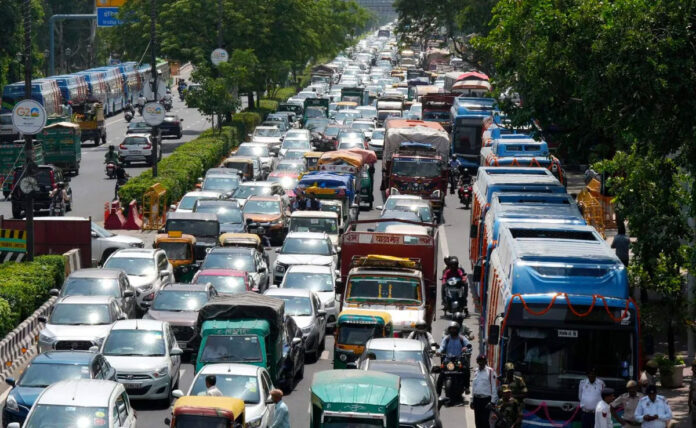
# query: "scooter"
{"points": [[167, 104], [454, 176], [57, 207], [457, 374], [128, 116], [456, 294], [111, 169], [464, 193]]}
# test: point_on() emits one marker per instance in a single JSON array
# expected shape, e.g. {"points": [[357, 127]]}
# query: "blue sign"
{"points": [[107, 17]]}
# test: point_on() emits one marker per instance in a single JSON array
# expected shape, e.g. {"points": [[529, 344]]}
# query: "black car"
{"points": [[293, 355], [171, 126], [100, 282], [47, 177], [228, 212]]}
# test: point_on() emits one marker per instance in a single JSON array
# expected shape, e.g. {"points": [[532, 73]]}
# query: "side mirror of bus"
{"points": [[493, 334], [473, 232]]}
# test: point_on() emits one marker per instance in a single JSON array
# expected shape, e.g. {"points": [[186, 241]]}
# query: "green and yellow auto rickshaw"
{"points": [[179, 248], [311, 159], [354, 398], [354, 327]]}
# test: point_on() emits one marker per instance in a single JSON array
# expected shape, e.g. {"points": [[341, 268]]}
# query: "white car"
{"points": [[148, 270], [316, 221], [79, 323], [81, 403], [267, 135], [295, 143], [189, 200], [421, 207], [398, 349], [146, 357], [257, 150], [376, 144], [304, 248], [104, 243], [247, 382], [319, 279]]}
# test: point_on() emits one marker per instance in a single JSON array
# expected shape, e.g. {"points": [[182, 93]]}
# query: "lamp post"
{"points": [[28, 146], [45, 52]]}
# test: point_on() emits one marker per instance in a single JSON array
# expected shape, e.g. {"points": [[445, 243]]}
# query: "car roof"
{"points": [[310, 214], [292, 292], [203, 194], [406, 197], [270, 198], [185, 287], [233, 250], [83, 300], [395, 343], [139, 253], [96, 273], [229, 368], [314, 235], [400, 215], [258, 183], [138, 324], [310, 268], [232, 202], [399, 368], [265, 127], [221, 272], [81, 392], [64, 357]]}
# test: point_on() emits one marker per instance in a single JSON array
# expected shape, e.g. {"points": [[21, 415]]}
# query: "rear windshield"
{"points": [[134, 141], [194, 227], [231, 349]]}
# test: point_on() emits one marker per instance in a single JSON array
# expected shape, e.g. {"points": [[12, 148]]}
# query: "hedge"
{"points": [[245, 123], [25, 286], [282, 94], [179, 172]]}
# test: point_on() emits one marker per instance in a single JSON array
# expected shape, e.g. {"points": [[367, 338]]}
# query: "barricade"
{"points": [[115, 220], [72, 261], [133, 221]]}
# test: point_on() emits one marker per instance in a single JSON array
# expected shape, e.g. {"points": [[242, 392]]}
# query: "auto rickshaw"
{"points": [[357, 398], [354, 327], [249, 240], [180, 250], [311, 159], [242, 164], [195, 411]]}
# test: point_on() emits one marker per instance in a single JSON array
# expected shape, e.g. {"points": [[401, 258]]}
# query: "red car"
{"points": [[225, 281]]}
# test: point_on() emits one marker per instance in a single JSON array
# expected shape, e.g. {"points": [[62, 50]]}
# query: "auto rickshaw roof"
{"points": [[240, 239], [325, 179], [209, 406], [240, 159], [173, 236], [313, 155], [378, 317], [346, 390]]}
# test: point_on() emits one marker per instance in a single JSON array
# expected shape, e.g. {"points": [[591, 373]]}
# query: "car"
{"points": [[249, 383], [376, 143], [148, 270], [295, 144], [328, 139], [188, 201], [78, 323], [293, 355], [100, 282], [306, 309], [178, 304], [418, 400], [316, 221], [46, 369], [70, 403], [249, 260], [270, 135], [348, 139], [146, 357], [105, 242], [421, 207], [291, 167], [137, 148], [292, 155], [319, 279], [225, 281], [47, 177], [368, 112], [364, 125], [316, 124], [398, 349], [396, 215], [302, 248], [267, 216], [287, 179], [225, 184], [228, 212], [139, 127], [298, 134], [257, 188], [415, 112], [257, 150], [171, 126], [8, 132], [280, 124]]}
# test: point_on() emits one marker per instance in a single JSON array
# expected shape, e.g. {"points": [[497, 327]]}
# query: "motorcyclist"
{"points": [[421, 333], [454, 346], [454, 271], [58, 196], [464, 175], [466, 331], [121, 178], [453, 166], [111, 156]]}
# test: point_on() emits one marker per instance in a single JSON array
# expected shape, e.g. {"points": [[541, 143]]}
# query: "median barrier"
{"points": [[133, 220], [115, 219], [72, 261]]}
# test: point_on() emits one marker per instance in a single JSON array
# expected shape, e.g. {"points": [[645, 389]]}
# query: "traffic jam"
{"points": [[385, 246]]}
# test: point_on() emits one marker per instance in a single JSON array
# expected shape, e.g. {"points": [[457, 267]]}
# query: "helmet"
{"points": [[452, 261], [458, 317], [509, 366], [422, 326], [111, 147], [453, 157], [453, 325], [61, 184]]}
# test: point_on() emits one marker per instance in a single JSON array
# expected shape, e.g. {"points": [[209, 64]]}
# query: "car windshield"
{"points": [[187, 202], [308, 281], [304, 224], [401, 290], [350, 144], [296, 144], [331, 208], [177, 250], [362, 126], [135, 266], [332, 131], [255, 151], [179, 300], [378, 135], [436, 115], [138, 126], [201, 421], [240, 166], [226, 213], [224, 284], [414, 392], [296, 306], [356, 334], [243, 192], [91, 287], [231, 349], [420, 210], [320, 247], [290, 166], [286, 182], [49, 415], [415, 168], [197, 228], [43, 375], [267, 132], [103, 233], [261, 207], [225, 260], [246, 388], [80, 314], [126, 343], [294, 154], [222, 184]]}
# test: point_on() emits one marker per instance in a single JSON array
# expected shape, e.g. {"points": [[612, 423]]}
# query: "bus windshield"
{"points": [[466, 138]]}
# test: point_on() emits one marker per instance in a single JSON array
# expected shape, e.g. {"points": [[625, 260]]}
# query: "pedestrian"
{"points": [[602, 418], [281, 417], [692, 394], [515, 382], [484, 392], [313, 204], [628, 401], [648, 377], [509, 409], [653, 410], [211, 389], [621, 243], [590, 394]]}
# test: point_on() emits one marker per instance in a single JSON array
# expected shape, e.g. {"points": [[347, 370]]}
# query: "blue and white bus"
{"points": [[467, 116]]}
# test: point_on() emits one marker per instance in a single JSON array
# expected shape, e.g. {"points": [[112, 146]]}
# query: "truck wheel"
{"points": [[16, 211]]}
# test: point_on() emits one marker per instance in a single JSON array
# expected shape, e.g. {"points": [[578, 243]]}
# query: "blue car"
{"points": [[46, 369]]}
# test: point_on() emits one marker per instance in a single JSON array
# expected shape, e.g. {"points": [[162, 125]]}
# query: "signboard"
{"points": [[107, 17], [153, 113], [13, 240], [29, 117], [218, 56]]}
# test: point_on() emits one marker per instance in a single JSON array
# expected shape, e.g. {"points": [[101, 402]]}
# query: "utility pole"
{"points": [[153, 49], [28, 146], [219, 26]]}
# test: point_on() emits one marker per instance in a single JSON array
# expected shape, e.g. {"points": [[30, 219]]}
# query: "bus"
{"points": [[115, 92], [96, 84], [520, 150], [73, 87], [467, 116], [560, 306], [45, 91], [132, 81]]}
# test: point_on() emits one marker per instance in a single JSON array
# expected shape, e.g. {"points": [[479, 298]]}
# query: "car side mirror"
{"points": [[269, 399], [14, 425], [93, 349], [442, 401], [176, 351], [164, 275], [177, 393], [94, 235], [321, 313], [10, 381], [172, 207], [262, 269], [435, 369], [379, 207], [53, 292], [122, 317], [128, 293], [41, 319], [493, 334], [473, 231], [296, 341]]}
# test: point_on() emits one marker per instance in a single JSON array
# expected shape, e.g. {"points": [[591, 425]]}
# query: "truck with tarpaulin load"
{"points": [[436, 108], [467, 116], [412, 255], [355, 161], [520, 150], [558, 297], [322, 74], [468, 84], [354, 398], [62, 146], [414, 161], [11, 157], [332, 186], [389, 106]]}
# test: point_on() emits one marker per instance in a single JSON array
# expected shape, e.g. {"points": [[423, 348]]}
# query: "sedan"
{"points": [[303, 248], [226, 184], [189, 200], [306, 309], [171, 126], [139, 127], [101, 282], [256, 150], [319, 279], [225, 281], [136, 148], [249, 260], [228, 212]]}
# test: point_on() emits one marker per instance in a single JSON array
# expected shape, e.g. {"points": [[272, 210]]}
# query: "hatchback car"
{"points": [[101, 282], [270, 135], [171, 126], [46, 369], [47, 177], [228, 212], [81, 403], [137, 148], [78, 323], [295, 143], [147, 269], [146, 358], [303, 248], [249, 260], [225, 281], [319, 279], [139, 127], [225, 184]]}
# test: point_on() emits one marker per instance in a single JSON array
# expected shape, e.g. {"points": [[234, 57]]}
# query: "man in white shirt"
{"points": [[627, 401], [653, 410], [603, 410], [590, 394], [212, 390], [484, 392]]}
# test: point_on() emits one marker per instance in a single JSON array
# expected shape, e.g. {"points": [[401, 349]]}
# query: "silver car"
{"points": [[319, 279], [137, 148], [257, 150]]}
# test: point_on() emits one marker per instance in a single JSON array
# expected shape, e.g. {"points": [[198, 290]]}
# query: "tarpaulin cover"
{"points": [[341, 156], [438, 139], [325, 179], [472, 75], [368, 156], [247, 305]]}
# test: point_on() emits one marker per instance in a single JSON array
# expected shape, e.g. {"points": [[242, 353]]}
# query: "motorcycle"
{"points": [[454, 176], [464, 193], [57, 207], [128, 116], [166, 103], [456, 294], [140, 109], [457, 375], [111, 169]]}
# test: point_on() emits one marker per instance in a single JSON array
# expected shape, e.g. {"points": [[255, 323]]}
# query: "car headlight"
{"points": [[43, 337], [136, 245], [11, 403], [436, 194], [256, 423], [306, 330], [161, 372], [280, 268], [427, 424]]}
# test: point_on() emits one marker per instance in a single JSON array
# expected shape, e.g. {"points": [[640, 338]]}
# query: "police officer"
{"points": [[508, 411], [653, 410], [514, 382]]}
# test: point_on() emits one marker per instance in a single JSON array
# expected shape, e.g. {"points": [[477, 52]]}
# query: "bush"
{"points": [[282, 94], [245, 123], [268, 105]]}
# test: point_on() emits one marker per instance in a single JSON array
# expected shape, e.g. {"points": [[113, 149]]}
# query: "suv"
{"points": [[171, 126], [48, 177], [135, 148], [304, 248]]}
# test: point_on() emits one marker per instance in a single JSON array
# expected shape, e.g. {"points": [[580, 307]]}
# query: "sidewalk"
{"points": [[678, 400]]}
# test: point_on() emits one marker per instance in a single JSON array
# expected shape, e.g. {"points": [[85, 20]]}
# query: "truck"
{"points": [[436, 108], [62, 146], [11, 157], [358, 95], [414, 161], [408, 260], [314, 107], [389, 105], [90, 117], [469, 84]]}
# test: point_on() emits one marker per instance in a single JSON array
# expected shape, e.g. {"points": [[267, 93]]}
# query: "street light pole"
{"points": [[28, 146], [153, 46]]}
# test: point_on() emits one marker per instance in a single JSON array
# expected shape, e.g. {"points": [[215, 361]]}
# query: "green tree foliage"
{"points": [[12, 30]]}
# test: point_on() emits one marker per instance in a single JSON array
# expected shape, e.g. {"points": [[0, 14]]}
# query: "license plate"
{"points": [[131, 385], [135, 152]]}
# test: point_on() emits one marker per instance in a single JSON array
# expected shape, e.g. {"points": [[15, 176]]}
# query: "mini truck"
{"points": [[390, 272]]}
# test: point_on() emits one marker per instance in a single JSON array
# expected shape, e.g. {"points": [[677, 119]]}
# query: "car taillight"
{"points": [[396, 334], [122, 147], [149, 296], [147, 147]]}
